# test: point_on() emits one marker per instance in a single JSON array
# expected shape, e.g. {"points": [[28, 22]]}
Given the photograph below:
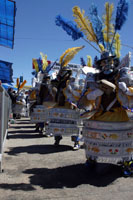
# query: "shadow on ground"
{"points": [[19, 186], [18, 127], [69, 176], [40, 149], [22, 134], [74, 175]]}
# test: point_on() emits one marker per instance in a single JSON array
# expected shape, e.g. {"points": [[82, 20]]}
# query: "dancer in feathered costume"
{"points": [[45, 94], [67, 92], [113, 85]]}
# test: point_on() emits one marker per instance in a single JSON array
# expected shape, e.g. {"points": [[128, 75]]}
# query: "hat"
{"points": [[104, 56], [66, 69], [46, 75]]}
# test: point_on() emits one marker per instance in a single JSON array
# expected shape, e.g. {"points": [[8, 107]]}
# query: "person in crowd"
{"points": [[13, 97]]}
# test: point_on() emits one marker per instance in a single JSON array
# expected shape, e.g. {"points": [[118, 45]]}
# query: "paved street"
{"points": [[34, 169]]}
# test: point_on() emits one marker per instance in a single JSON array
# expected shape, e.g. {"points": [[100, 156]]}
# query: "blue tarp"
{"points": [[6, 72], [7, 22], [6, 86]]}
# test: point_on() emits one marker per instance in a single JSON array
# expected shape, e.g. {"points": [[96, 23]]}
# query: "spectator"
{"points": [[12, 95], [13, 99]]}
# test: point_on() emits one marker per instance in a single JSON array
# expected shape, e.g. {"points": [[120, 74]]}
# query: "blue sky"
{"points": [[35, 32]]}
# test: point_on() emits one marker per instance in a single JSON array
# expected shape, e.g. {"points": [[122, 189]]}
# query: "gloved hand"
{"points": [[94, 94], [122, 86], [75, 93], [69, 88]]}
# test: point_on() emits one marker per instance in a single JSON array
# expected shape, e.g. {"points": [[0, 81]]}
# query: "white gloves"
{"points": [[122, 86], [94, 94], [75, 93], [125, 89], [69, 88]]}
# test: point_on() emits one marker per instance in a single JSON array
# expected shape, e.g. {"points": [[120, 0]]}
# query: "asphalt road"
{"points": [[34, 169]]}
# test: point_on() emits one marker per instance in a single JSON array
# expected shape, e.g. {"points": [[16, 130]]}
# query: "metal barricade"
{"points": [[5, 110]]}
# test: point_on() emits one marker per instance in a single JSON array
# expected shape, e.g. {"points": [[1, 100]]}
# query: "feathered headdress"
{"points": [[101, 47], [108, 30], [23, 84], [69, 55], [89, 61], [44, 61], [101, 32], [117, 45], [20, 86], [84, 24], [97, 23], [69, 27], [121, 16], [35, 64], [82, 61]]}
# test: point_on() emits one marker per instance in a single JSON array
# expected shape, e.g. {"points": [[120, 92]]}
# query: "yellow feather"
{"points": [[89, 61], [117, 45], [107, 19], [44, 61], [69, 55], [84, 24], [101, 47], [34, 61], [65, 53]]}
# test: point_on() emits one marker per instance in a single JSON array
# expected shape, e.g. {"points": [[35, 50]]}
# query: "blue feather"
{"points": [[39, 61], [34, 73], [82, 62], [95, 62], [69, 27], [49, 67], [96, 23], [121, 14]]}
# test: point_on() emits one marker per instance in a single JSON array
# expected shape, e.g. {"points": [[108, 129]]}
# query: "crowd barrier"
{"points": [[5, 110]]}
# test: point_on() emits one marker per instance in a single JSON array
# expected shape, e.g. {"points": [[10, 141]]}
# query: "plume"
{"points": [[50, 66], [95, 61], [82, 62], [22, 85], [39, 61], [117, 45], [44, 61], [69, 55], [121, 14], [101, 47], [35, 64], [84, 24], [97, 23], [107, 19], [17, 83], [89, 61], [69, 27]]}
